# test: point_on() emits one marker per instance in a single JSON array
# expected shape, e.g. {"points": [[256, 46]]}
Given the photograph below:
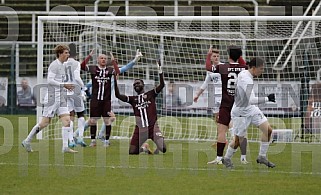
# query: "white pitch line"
{"points": [[167, 168]]}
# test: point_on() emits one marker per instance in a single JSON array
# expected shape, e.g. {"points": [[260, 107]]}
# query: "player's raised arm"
{"points": [[209, 66], [122, 97], [115, 64], [161, 77], [132, 63], [83, 64]]}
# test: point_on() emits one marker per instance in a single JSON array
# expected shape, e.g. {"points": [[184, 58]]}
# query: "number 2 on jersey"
{"points": [[232, 76]]}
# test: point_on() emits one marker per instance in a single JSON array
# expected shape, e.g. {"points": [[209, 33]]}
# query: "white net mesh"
{"points": [[182, 47]]}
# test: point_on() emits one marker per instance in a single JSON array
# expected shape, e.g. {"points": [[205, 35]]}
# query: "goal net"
{"points": [[290, 46]]}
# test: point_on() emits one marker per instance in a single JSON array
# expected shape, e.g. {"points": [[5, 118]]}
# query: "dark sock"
{"points": [[108, 131], [243, 146], [220, 149], [93, 130]]}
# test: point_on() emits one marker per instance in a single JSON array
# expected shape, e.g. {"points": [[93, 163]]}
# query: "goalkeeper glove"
{"points": [[159, 67], [271, 97], [138, 55]]}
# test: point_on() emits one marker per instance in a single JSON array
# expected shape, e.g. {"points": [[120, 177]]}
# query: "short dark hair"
{"points": [[214, 50], [256, 62], [73, 50], [141, 80], [235, 52]]}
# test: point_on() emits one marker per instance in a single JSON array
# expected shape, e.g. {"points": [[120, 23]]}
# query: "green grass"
{"points": [[183, 170]]}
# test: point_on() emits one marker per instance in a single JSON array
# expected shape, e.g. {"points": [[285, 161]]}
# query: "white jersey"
{"points": [[244, 112], [55, 78], [55, 99], [214, 78], [245, 100], [72, 67], [75, 101]]}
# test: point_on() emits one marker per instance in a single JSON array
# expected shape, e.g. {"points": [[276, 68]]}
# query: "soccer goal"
{"points": [[290, 46]]}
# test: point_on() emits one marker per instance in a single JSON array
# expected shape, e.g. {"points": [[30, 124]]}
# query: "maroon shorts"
{"points": [[99, 108], [224, 115], [141, 135]]}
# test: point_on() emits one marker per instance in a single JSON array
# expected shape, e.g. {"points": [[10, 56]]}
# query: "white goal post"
{"points": [[181, 43]]}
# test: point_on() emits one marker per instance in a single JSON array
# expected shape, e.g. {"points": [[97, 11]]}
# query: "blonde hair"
{"points": [[59, 49]]}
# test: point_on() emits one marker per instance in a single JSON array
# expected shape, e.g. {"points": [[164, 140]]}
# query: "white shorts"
{"points": [[242, 121], [76, 104], [56, 108]]}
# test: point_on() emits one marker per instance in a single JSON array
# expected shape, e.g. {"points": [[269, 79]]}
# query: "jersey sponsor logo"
{"points": [[316, 106], [142, 105]]}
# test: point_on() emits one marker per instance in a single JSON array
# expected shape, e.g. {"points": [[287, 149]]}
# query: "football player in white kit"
{"points": [[55, 101], [75, 100], [245, 112], [214, 78]]}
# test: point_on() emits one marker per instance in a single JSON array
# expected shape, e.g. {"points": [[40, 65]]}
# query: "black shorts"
{"points": [[100, 108], [224, 115]]}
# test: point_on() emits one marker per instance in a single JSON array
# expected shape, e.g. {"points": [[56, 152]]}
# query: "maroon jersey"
{"points": [[101, 82], [144, 107], [229, 73]]}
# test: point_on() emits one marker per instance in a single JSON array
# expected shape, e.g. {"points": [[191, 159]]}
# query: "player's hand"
{"points": [[92, 52], [70, 87], [112, 117], [216, 116], [83, 95], [195, 99], [112, 58], [271, 97], [159, 66], [138, 55], [210, 50]]}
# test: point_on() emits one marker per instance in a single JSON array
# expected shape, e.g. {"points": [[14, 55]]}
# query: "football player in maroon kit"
{"points": [[100, 104], [229, 72], [144, 106]]}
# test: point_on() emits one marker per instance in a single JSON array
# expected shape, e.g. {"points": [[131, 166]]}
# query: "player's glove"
{"points": [[271, 97], [159, 67], [138, 55]]}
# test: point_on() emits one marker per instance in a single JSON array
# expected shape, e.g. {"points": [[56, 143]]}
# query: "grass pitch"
{"points": [[182, 170]]}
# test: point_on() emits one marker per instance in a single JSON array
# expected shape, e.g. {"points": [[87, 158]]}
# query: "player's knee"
{"points": [[269, 131], [236, 144], [66, 121], [92, 121]]}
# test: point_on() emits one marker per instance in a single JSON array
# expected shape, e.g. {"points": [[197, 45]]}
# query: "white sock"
{"points": [[71, 132], [86, 125], [32, 133], [243, 157], [76, 133], [65, 134], [81, 126], [219, 157], [264, 146], [229, 153], [102, 131]]}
